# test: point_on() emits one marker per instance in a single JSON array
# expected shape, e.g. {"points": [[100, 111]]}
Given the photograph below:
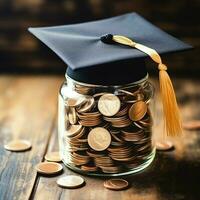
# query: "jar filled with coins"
{"points": [[104, 116], [106, 130]]}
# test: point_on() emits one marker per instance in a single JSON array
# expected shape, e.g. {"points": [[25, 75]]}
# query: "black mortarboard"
{"points": [[99, 53], [90, 58]]}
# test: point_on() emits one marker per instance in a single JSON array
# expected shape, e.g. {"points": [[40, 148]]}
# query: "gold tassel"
{"points": [[171, 114]]}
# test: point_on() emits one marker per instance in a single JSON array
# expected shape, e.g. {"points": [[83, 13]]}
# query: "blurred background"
{"points": [[20, 52]]}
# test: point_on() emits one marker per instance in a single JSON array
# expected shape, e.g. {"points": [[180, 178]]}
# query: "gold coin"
{"points": [[164, 146], [73, 130], [99, 139], [137, 111], [18, 145], [49, 168], [192, 125], [116, 184], [53, 156], [109, 104], [70, 181]]}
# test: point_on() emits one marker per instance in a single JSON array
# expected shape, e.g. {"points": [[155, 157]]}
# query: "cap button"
{"points": [[108, 39]]}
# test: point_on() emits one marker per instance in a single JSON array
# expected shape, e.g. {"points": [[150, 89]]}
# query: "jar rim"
{"points": [[108, 86]]}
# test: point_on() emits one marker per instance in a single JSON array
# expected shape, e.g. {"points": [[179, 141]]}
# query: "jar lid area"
{"points": [[114, 73]]}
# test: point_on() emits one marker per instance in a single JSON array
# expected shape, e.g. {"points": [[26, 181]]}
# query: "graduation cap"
{"points": [[113, 52]]}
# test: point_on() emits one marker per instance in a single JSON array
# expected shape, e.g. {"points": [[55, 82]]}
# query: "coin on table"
{"points": [[192, 125], [116, 184], [137, 111], [49, 168], [164, 145], [70, 181], [18, 145], [109, 104], [53, 156], [99, 139]]}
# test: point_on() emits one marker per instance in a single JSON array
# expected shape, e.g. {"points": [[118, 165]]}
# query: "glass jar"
{"points": [[106, 130]]}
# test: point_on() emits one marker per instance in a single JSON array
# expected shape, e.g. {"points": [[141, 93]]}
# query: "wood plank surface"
{"points": [[166, 178], [28, 110]]}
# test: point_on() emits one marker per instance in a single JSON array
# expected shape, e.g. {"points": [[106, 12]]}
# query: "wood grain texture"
{"points": [[28, 110], [171, 176]]}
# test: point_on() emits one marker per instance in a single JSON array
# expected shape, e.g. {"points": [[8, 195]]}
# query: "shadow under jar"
{"points": [[106, 130]]}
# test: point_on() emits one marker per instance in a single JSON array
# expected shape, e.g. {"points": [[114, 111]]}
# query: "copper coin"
{"points": [[164, 146], [137, 111], [53, 156], [109, 104], [73, 102], [49, 168], [87, 106], [72, 116], [70, 181], [116, 184], [192, 125], [18, 145], [73, 130], [99, 139], [89, 168]]}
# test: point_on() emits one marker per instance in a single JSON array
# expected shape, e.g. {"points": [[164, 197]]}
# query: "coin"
{"points": [[99, 139], [87, 105], [53, 156], [70, 181], [137, 111], [78, 135], [192, 125], [89, 168], [108, 132], [49, 168], [18, 145], [72, 116], [73, 102], [111, 169], [109, 104], [164, 145], [73, 130], [116, 184]]}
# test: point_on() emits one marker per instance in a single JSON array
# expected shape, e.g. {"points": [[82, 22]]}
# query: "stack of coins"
{"points": [[108, 132]]}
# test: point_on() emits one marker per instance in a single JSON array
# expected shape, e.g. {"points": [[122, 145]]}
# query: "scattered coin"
{"points": [[18, 145], [70, 181], [137, 111], [49, 168], [109, 104], [164, 146], [192, 125], [53, 156], [116, 184], [99, 139]]}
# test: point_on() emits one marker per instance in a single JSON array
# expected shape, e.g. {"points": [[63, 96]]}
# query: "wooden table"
{"points": [[28, 110]]}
